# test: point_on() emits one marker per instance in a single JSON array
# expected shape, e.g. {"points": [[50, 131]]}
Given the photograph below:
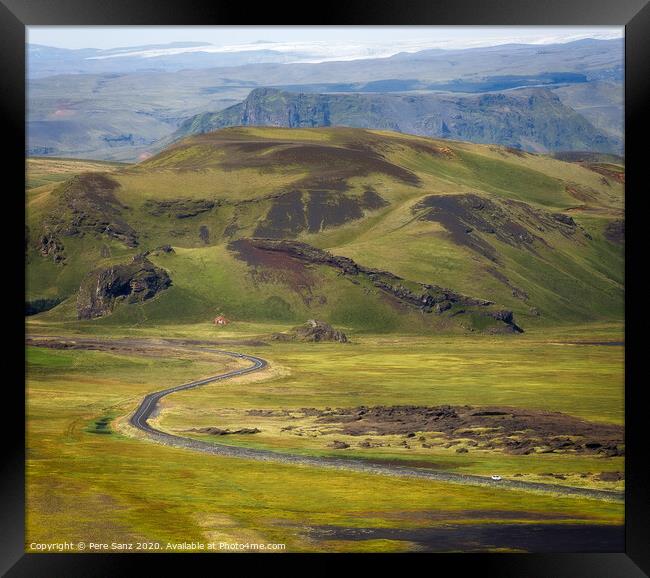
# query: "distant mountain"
{"points": [[601, 102], [50, 61], [534, 120], [125, 100], [595, 58], [472, 85]]}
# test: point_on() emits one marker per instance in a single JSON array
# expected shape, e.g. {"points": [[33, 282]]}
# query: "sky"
{"points": [[309, 43]]}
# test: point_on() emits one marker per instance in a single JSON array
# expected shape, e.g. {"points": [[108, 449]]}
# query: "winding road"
{"points": [[147, 407]]}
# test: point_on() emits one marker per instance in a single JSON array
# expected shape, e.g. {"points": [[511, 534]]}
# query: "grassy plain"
{"points": [[545, 374], [114, 487]]}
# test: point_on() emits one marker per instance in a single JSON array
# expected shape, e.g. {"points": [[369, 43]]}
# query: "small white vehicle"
{"points": [[496, 478]]}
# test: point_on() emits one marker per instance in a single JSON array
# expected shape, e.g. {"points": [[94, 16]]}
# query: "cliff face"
{"points": [[269, 107], [530, 119], [132, 282]]}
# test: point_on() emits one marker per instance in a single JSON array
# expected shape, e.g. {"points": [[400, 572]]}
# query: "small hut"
{"points": [[221, 320]]}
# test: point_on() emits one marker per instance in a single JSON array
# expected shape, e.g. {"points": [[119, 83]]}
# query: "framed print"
{"points": [[351, 286]]}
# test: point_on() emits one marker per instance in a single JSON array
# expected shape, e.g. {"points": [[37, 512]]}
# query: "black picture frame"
{"points": [[15, 15]]}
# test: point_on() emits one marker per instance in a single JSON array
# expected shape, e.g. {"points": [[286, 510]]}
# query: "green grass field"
{"points": [[118, 487]]}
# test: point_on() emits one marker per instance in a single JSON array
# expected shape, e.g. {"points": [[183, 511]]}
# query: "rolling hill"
{"points": [[370, 230]]}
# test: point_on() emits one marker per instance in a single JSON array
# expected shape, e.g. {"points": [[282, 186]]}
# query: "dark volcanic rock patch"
{"points": [[286, 217], [327, 210], [88, 205], [512, 430], [204, 234], [615, 231], [274, 266], [314, 210], [516, 291], [469, 218], [215, 431], [326, 164], [371, 199], [132, 282], [462, 215]]}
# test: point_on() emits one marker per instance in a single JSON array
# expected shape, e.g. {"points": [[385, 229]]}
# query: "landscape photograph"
{"points": [[343, 289]]}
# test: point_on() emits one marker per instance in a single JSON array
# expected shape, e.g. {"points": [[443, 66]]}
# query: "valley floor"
{"points": [[90, 477]]}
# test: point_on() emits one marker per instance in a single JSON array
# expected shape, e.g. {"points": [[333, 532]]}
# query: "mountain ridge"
{"points": [[532, 119]]}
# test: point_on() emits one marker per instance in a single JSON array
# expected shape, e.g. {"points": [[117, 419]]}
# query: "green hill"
{"points": [[387, 231]]}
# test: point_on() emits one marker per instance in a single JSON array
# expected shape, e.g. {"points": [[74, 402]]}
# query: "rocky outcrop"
{"points": [[94, 208], [134, 282], [423, 296], [217, 431], [162, 250], [338, 445], [49, 245], [312, 331], [503, 429], [179, 208], [508, 320]]}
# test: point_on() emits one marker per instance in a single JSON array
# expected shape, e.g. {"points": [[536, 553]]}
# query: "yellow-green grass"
{"points": [[537, 372], [90, 487], [234, 185], [46, 171], [544, 371], [91, 484], [49, 325], [522, 371]]}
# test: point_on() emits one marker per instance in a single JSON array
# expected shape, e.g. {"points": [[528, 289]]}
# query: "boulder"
{"points": [[339, 445], [312, 331]]}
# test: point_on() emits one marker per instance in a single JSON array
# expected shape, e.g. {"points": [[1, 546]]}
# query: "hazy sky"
{"points": [[315, 43]]}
